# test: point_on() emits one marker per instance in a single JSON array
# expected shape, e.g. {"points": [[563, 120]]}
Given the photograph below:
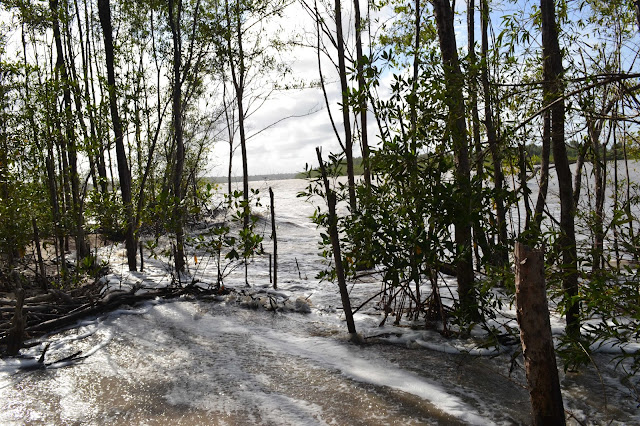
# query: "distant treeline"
{"points": [[534, 152], [235, 179]]}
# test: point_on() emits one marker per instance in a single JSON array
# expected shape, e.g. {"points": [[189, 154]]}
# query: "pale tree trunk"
{"points": [[457, 127], [553, 93], [104, 12]]}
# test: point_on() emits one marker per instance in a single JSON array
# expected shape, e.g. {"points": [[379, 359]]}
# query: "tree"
{"points": [[175, 12], [346, 116], [238, 76], [553, 90], [104, 12], [362, 94], [68, 140], [492, 137], [457, 130]]}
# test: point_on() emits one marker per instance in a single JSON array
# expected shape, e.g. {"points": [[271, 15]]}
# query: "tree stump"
{"points": [[535, 335], [16, 332]]}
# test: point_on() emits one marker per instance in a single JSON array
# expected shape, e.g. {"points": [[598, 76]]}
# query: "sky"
{"points": [[289, 145]]}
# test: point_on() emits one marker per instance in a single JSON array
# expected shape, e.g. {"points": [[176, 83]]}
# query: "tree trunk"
{"points": [[72, 167], [104, 12], [553, 93], [544, 170], [473, 87], [230, 133], [535, 335], [238, 78], [96, 133], [362, 97], [492, 139], [335, 244], [457, 128], [577, 180], [174, 24], [41, 269], [50, 178], [348, 138], [275, 240]]}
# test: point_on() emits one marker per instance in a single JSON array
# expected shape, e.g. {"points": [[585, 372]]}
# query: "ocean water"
{"points": [[232, 362]]}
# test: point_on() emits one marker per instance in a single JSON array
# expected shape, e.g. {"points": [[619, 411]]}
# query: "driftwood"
{"points": [[38, 315]]}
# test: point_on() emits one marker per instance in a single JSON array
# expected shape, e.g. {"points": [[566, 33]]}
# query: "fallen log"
{"points": [[109, 303], [38, 320]]}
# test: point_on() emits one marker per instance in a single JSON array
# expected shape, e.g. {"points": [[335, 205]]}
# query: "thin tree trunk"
{"points": [[628, 184], [492, 139], [154, 141], [96, 133], [473, 87], [50, 179], [522, 165], [362, 97], [544, 170], [577, 181], [104, 11], [84, 52], [458, 130], [238, 77], [230, 133], [174, 24], [553, 93], [69, 144], [16, 335], [41, 269], [616, 196], [335, 243], [348, 138], [479, 234], [321, 75], [275, 240]]}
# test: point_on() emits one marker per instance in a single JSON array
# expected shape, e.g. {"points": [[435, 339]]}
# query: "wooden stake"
{"points": [[535, 335]]}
